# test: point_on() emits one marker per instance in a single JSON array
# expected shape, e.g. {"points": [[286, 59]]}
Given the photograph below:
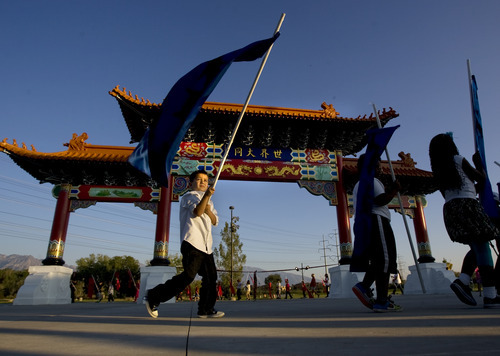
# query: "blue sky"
{"points": [[60, 58]]}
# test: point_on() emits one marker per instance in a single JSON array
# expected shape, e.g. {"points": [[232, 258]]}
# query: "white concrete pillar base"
{"points": [[45, 285], [436, 278], [342, 281], [151, 276]]}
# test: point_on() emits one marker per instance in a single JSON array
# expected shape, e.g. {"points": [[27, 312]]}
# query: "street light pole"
{"points": [[231, 270], [302, 268]]}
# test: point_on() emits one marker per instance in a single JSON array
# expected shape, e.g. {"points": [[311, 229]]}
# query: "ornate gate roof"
{"points": [[84, 163], [322, 131], [262, 126]]}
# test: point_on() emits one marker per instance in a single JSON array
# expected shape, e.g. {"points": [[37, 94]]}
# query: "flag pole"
{"points": [[471, 102], [486, 196], [240, 118], [379, 124], [474, 125]]}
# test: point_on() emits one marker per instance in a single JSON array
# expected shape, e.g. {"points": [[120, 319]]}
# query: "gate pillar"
{"points": [[420, 225], [344, 225], [57, 240], [160, 256]]}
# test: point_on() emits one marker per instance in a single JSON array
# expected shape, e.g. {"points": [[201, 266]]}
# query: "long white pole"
{"points": [[240, 118], [379, 124]]}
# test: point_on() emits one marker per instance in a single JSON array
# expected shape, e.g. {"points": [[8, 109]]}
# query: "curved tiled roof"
{"points": [[84, 163], [413, 181], [262, 126]]}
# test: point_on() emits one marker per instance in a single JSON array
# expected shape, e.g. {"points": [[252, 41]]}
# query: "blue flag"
{"points": [[155, 152], [486, 194], [377, 141]]}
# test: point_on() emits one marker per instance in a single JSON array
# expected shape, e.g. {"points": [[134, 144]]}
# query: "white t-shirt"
{"points": [[378, 188], [196, 230], [468, 190]]}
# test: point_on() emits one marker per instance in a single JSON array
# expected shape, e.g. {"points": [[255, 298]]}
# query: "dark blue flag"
{"points": [[486, 194], [377, 141], [155, 152]]}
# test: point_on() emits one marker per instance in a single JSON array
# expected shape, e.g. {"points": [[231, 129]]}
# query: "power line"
{"points": [[273, 241]]}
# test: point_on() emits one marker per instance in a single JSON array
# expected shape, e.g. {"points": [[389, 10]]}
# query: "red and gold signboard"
{"points": [[114, 193]]}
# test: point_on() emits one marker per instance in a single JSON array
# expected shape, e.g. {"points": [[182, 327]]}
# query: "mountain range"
{"points": [[18, 262], [21, 262]]}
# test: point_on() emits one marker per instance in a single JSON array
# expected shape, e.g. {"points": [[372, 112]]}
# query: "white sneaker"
{"points": [[152, 309], [212, 314]]}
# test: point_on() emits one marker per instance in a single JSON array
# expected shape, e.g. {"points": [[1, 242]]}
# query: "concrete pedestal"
{"points": [[45, 285], [151, 276], [436, 278], [342, 281]]}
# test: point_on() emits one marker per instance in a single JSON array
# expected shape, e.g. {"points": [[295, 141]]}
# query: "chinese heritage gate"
{"points": [[273, 144]]}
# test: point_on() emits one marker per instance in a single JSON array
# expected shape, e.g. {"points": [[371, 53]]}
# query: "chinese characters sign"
{"points": [[258, 163]]}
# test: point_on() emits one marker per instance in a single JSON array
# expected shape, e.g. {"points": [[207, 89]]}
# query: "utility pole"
{"points": [[231, 269], [302, 268], [401, 267], [335, 236], [324, 254]]}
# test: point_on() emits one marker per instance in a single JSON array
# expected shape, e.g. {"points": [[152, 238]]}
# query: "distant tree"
{"points": [[176, 261], [223, 255], [273, 278], [119, 270], [10, 282]]}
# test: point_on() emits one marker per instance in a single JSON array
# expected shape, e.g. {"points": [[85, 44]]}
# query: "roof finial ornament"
{"points": [[329, 110], [406, 159], [77, 143]]}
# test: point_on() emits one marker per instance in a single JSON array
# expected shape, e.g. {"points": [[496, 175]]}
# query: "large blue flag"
{"points": [[486, 194], [377, 141], [156, 151]]}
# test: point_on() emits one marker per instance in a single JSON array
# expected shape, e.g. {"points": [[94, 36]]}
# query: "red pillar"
{"points": [[343, 222], [424, 246], [60, 223], [160, 257]]}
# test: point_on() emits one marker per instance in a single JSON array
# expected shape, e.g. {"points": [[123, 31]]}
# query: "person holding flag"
{"points": [[374, 246], [154, 156], [197, 216], [464, 217]]}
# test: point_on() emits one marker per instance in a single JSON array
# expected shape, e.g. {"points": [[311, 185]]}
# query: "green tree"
{"points": [[176, 261], [230, 253], [273, 278], [11, 281], [122, 271]]}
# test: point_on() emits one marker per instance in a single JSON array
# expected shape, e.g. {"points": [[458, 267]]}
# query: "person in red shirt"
{"points": [[287, 290]]}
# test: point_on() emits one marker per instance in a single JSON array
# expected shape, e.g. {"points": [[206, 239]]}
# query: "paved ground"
{"points": [[429, 325]]}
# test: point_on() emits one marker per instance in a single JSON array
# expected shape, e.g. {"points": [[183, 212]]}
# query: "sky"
{"points": [[59, 60]]}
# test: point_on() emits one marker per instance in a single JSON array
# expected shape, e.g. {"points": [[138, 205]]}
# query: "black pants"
{"points": [[194, 262], [382, 257]]}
